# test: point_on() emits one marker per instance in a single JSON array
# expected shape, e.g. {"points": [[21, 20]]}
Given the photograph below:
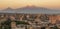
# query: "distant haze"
{"points": [[31, 10]]}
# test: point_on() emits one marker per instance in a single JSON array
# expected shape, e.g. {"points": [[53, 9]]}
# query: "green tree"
{"points": [[22, 22]]}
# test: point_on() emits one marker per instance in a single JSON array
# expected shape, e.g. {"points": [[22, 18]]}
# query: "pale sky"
{"points": [[22, 3]]}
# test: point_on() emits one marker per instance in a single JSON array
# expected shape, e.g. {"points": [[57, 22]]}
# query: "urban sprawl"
{"points": [[29, 21]]}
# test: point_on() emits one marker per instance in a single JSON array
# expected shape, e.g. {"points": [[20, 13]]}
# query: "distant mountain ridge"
{"points": [[31, 10]]}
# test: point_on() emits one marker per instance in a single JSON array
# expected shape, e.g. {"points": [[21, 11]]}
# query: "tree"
{"points": [[22, 22], [7, 24], [55, 27]]}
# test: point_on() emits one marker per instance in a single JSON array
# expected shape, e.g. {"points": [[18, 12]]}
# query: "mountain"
{"points": [[31, 10]]}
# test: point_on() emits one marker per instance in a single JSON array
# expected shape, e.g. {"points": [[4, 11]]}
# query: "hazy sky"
{"points": [[22, 3]]}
